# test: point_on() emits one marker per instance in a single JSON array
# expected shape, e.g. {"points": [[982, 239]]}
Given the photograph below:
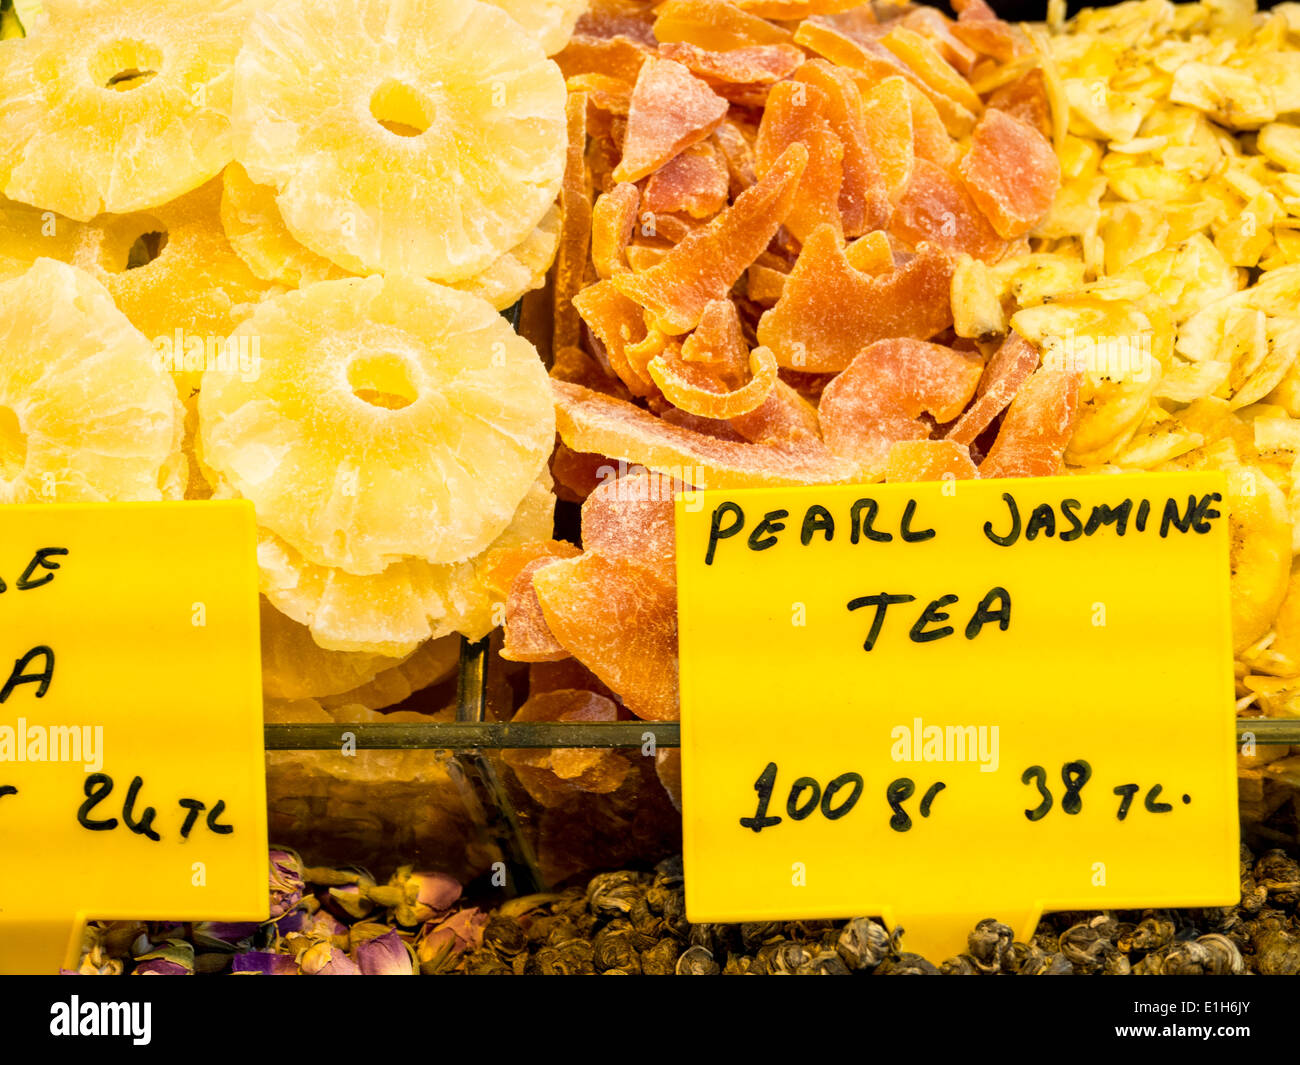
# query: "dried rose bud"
{"points": [[324, 959], [264, 963], [286, 882], [386, 955]]}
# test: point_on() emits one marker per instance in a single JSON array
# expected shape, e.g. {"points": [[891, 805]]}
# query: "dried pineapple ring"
{"points": [[294, 666], [392, 418], [28, 234], [118, 105], [521, 269], [191, 295], [549, 22], [426, 138], [393, 612], [86, 412], [259, 236], [434, 662]]}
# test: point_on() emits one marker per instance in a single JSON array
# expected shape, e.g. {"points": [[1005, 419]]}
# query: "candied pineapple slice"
{"points": [[391, 418], [549, 22], [86, 413], [424, 138], [118, 105]]}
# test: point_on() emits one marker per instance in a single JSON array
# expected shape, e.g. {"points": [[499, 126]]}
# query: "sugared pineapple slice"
{"points": [[118, 105], [549, 22], [425, 138], [393, 612], [392, 418], [86, 413]]}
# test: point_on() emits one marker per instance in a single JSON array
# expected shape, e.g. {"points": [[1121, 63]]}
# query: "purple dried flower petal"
{"points": [[386, 955], [264, 963]]}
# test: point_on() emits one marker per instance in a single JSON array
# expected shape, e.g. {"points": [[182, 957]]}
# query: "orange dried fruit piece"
{"points": [[527, 637], [671, 110], [612, 220], [699, 390], [763, 64], [935, 26], [619, 619], [878, 400], [596, 423], [868, 57], [715, 25], [979, 28], [577, 474], [1026, 99], [872, 254], [887, 124], [764, 285], [574, 364], [737, 149], [707, 263], [937, 208], [1011, 366], [575, 227], [930, 138], [608, 94], [795, 114], [928, 65], [785, 417], [1037, 427], [695, 182], [567, 768], [829, 311], [500, 566], [617, 57], [720, 341], [863, 196], [618, 323], [1011, 172], [929, 460], [632, 517]]}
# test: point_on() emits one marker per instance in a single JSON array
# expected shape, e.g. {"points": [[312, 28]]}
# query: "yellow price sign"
{"points": [[132, 780], [949, 701]]}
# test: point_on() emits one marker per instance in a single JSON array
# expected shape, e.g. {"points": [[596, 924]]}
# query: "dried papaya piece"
{"points": [[502, 565], [937, 208], [720, 341], [617, 57], [1026, 99], [979, 28], [1037, 427], [632, 517], [695, 182], [671, 109], [785, 418], [737, 149], [763, 64], [589, 421], [887, 123], [865, 56], [795, 114], [864, 202], [878, 400], [643, 256], [715, 25], [575, 230], [612, 220], [930, 138], [872, 254], [547, 774], [603, 92], [527, 637], [617, 18], [619, 619], [574, 364], [911, 461], [764, 285], [934, 71], [793, 10], [618, 323], [934, 25], [1011, 172], [699, 389], [705, 264], [829, 311], [577, 473], [1011, 366]]}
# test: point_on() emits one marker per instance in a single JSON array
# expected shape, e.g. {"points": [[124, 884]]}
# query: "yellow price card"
{"points": [[949, 701], [132, 782]]}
